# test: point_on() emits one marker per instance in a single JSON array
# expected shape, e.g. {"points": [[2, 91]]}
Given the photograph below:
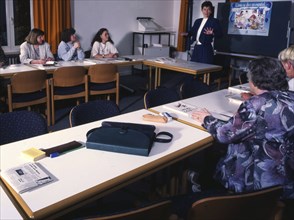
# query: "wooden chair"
{"points": [[27, 89], [104, 79], [259, 205], [68, 83], [157, 211]]}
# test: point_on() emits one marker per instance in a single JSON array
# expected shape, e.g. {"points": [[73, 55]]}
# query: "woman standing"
{"points": [[35, 50], [102, 45], [203, 32]]}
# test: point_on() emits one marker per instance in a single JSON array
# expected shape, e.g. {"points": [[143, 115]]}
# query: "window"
{"points": [[15, 23]]}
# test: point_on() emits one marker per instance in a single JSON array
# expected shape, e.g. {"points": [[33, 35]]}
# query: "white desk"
{"points": [[86, 63], [86, 174], [8, 71], [183, 66], [7, 209], [215, 102]]}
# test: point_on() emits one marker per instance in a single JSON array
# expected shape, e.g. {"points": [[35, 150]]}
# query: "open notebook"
{"points": [[186, 110]]}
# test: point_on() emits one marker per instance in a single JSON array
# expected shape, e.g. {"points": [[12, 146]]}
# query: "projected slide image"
{"points": [[250, 18]]}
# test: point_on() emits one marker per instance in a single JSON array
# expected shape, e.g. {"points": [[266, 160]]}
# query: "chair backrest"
{"points": [[259, 205], [191, 88], [27, 82], [69, 76], [87, 53], [92, 111], [157, 211], [18, 125], [160, 96], [102, 73], [243, 78]]}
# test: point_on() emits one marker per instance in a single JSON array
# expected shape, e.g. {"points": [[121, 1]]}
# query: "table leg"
{"points": [[159, 77], [156, 77], [150, 78]]}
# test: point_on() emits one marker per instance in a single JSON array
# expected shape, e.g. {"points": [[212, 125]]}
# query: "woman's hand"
{"points": [[246, 95], [208, 31], [49, 59], [199, 115]]}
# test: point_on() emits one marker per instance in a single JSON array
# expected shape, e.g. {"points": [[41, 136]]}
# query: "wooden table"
{"points": [[216, 102], [183, 66], [8, 71], [85, 175], [7, 208]]}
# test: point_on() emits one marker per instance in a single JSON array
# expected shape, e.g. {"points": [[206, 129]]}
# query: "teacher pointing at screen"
{"points": [[203, 32]]}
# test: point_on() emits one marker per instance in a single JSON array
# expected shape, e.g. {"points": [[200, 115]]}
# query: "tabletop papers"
{"points": [[26, 177]]}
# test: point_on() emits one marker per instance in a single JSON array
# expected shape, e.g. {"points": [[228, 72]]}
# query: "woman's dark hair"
{"points": [[98, 38], [66, 34], [33, 35], [207, 4], [267, 74]]}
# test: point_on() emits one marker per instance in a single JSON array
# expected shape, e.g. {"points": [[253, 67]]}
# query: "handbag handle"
{"points": [[163, 140]]}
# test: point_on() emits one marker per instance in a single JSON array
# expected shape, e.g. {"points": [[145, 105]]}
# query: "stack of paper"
{"points": [[239, 89], [33, 154], [26, 177], [181, 108]]}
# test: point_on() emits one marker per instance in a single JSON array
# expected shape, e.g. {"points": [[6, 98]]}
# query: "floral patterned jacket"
{"points": [[260, 135]]}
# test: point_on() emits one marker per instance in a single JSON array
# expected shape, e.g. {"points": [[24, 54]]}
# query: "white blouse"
{"points": [[103, 49]]}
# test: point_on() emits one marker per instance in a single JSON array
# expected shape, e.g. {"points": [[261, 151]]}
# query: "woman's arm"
{"points": [[24, 55], [238, 128], [65, 52]]}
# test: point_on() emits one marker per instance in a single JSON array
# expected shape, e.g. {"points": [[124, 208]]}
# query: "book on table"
{"points": [[236, 98], [25, 177], [181, 108], [187, 109], [239, 89]]}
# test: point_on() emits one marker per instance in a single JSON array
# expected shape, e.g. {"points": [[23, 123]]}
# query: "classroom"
{"points": [[147, 109]]}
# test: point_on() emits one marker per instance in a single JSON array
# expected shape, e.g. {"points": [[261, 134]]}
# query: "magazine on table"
{"points": [[26, 177], [187, 109], [235, 98], [181, 108], [239, 89]]}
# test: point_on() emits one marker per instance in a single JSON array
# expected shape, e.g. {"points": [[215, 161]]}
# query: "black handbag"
{"points": [[129, 138]]}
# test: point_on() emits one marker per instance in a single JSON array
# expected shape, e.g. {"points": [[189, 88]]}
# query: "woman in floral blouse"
{"points": [[260, 136]]}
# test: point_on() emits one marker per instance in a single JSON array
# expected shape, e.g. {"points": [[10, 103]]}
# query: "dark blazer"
{"points": [[204, 38], [204, 53]]}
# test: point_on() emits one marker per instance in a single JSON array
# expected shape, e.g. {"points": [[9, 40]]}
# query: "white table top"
{"points": [[7, 209], [182, 65], [84, 172], [215, 102], [14, 68]]}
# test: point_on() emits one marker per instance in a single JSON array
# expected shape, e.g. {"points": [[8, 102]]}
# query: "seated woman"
{"points": [[69, 47], [260, 136], [102, 45], [287, 58], [35, 50]]}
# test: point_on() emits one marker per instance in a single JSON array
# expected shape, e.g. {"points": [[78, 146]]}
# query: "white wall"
{"points": [[119, 17]]}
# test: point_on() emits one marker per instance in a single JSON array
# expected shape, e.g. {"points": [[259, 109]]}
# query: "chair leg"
{"points": [[53, 112], [9, 92]]}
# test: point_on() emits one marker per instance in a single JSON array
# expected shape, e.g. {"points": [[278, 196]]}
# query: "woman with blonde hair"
{"points": [[35, 50], [287, 58]]}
